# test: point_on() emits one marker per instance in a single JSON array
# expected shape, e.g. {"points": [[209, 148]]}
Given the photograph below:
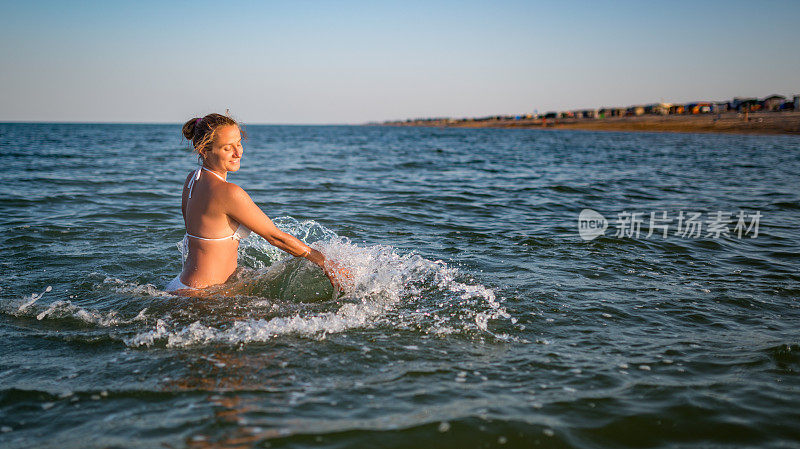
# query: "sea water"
{"points": [[478, 314]]}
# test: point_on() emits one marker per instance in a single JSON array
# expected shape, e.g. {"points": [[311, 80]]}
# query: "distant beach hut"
{"points": [[742, 104], [635, 110], [657, 108], [700, 107], [610, 112], [772, 103], [721, 106], [677, 109]]}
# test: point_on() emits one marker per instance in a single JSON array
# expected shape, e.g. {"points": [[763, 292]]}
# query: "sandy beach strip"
{"points": [[729, 122]]}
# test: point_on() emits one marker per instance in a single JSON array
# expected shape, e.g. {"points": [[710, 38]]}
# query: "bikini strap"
{"points": [[215, 174], [206, 238], [196, 176]]}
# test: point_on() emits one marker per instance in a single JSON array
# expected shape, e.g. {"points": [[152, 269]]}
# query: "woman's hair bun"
{"points": [[190, 127]]}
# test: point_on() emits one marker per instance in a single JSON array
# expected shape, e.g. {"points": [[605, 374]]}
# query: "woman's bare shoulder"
{"points": [[234, 192]]}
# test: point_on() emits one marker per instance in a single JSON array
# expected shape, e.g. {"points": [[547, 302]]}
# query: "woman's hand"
{"points": [[335, 272], [337, 287]]}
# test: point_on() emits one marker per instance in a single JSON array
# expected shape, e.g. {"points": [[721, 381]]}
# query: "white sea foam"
{"points": [[65, 309], [121, 286], [249, 331]]}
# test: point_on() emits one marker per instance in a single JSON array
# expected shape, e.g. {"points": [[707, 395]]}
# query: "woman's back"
{"points": [[204, 212], [211, 249]]}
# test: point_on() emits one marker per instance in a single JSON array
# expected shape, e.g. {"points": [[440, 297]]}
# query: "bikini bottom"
{"points": [[176, 284]]}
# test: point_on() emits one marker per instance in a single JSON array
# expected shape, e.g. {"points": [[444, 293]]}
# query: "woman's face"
{"points": [[226, 151]]}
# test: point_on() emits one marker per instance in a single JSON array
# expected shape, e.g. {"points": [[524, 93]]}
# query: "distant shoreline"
{"points": [[727, 122]]}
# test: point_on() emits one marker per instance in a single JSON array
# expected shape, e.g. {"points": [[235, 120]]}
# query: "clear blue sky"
{"points": [[358, 61]]}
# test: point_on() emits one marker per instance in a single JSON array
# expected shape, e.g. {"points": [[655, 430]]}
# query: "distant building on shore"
{"points": [[773, 102], [721, 106], [635, 110], [657, 108], [745, 104], [611, 112], [586, 113], [700, 107]]}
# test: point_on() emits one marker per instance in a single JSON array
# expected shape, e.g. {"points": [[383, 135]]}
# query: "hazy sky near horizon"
{"points": [[359, 61]]}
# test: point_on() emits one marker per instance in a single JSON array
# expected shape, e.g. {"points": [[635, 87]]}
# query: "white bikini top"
{"points": [[241, 231]]}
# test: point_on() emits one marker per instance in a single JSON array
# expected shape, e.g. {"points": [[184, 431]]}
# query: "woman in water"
{"points": [[217, 213]]}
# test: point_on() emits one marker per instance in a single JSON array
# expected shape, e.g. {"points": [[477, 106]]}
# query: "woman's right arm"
{"points": [[242, 209]]}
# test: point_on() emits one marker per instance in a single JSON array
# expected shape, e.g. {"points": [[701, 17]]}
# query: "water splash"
{"points": [[387, 288], [34, 297], [65, 309]]}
